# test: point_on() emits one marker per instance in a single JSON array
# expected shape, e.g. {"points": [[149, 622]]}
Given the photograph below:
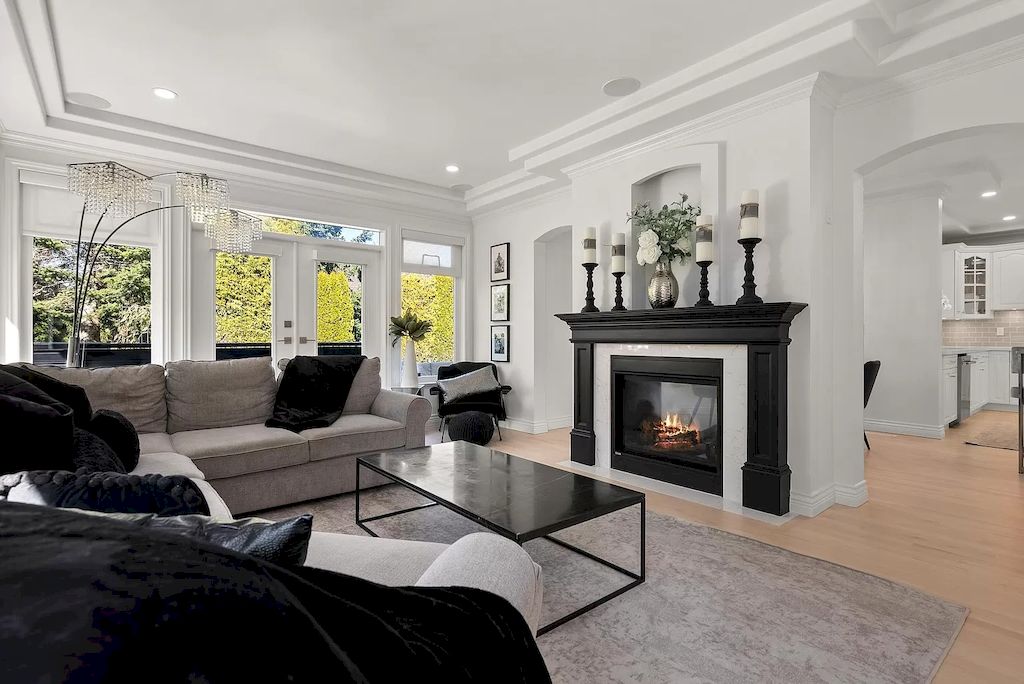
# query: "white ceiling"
{"points": [[961, 170], [396, 87]]}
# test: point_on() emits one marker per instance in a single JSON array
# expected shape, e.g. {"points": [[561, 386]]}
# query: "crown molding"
{"points": [[934, 190], [964, 64], [324, 189], [559, 193], [795, 91]]}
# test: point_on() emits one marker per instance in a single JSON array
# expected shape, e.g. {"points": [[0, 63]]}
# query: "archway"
{"points": [[552, 353]]}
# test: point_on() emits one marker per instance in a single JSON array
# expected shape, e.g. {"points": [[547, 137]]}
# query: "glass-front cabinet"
{"points": [[974, 276]]}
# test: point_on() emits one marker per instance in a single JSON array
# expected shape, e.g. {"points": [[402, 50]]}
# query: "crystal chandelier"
{"points": [[109, 187], [234, 231], [202, 195]]}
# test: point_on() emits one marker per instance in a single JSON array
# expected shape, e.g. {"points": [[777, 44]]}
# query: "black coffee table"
{"points": [[511, 496]]}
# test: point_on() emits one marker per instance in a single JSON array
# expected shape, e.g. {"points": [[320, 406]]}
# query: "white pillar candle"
{"points": [[750, 223], [704, 240], [590, 245], [618, 253]]}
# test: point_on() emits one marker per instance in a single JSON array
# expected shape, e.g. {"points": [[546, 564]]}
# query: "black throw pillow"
{"points": [[68, 394], [93, 455], [38, 430], [313, 391], [106, 492], [284, 542], [119, 433]]}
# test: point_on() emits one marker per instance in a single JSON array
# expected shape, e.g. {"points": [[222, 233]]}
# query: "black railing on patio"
{"points": [[108, 354]]}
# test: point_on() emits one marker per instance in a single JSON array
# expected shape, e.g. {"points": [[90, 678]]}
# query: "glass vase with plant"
{"points": [[664, 238], [414, 328]]}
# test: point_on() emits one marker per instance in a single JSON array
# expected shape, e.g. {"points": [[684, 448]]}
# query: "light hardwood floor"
{"points": [[942, 516]]}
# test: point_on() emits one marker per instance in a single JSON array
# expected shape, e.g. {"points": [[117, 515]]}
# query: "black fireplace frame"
{"points": [[763, 328], [704, 371]]}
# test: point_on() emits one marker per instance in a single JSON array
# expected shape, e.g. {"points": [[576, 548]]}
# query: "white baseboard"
{"points": [[536, 427], [852, 495], [911, 429], [1009, 408], [810, 505]]}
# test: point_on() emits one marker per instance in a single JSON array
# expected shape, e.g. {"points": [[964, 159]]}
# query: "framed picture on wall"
{"points": [[500, 341], [501, 302], [499, 262]]}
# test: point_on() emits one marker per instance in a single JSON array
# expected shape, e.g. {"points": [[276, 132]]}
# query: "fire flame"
{"points": [[672, 433]]}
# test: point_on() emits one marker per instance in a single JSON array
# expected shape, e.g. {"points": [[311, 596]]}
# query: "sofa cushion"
{"points": [[135, 391], [155, 442], [106, 492], [354, 435], [167, 464], [394, 562], [216, 394], [38, 430], [118, 432], [66, 393], [241, 449]]}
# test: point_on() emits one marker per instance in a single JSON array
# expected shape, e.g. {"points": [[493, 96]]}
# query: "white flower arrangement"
{"points": [[667, 232]]}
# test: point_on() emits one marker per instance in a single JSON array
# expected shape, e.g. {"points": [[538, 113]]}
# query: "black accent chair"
{"points": [[491, 403], [870, 375]]}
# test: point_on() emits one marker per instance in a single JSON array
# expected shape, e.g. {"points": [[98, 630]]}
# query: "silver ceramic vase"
{"points": [[663, 288]]}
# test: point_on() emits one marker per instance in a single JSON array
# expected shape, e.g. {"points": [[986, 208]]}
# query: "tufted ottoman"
{"points": [[472, 426]]}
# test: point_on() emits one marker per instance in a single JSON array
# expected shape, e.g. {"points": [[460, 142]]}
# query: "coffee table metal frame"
{"points": [[544, 532]]}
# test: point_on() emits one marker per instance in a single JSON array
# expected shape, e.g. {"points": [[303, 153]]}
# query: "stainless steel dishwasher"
{"points": [[963, 388]]}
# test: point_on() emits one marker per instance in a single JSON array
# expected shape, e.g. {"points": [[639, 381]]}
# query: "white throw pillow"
{"points": [[474, 382]]}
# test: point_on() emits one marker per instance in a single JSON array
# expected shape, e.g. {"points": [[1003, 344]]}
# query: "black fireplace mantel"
{"points": [[763, 328]]}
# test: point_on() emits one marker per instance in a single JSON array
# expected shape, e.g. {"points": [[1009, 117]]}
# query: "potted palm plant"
{"points": [[414, 328]]}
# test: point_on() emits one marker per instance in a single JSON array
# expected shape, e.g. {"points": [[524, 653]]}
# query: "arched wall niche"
{"points": [[552, 353]]}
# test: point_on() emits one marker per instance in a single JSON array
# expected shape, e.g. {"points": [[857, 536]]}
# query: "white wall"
{"points": [[552, 349], [902, 315], [521, 226]]}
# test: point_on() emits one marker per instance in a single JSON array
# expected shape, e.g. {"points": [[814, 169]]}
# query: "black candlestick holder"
{"points": [[704, 292], [749, 286], [590, 308], [618, 292]]}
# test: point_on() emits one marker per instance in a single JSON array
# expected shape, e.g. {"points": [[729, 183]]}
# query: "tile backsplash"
{"points": [[982, 332]]}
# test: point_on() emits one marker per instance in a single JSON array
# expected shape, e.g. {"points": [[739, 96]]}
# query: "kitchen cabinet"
{"points": [[1008, 279], [974, 279], [949, 389], [948, 270], [979, 380], [999, 377]]}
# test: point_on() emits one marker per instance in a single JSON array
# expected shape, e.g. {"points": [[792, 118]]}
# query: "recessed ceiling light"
{"points": [[1010, 218], [619, 87], [989, 193], [452, 168], [164, 93]]}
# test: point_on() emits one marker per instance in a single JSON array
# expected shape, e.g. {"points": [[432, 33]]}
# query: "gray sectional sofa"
{"points": [[204, 420], [213, 412]]}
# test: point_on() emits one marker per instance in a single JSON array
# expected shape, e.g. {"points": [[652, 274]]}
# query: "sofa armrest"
{"points": [[408, 409], [486, 561]]}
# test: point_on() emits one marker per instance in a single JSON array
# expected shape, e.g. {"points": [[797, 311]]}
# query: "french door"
{"points": [[338, 301]]}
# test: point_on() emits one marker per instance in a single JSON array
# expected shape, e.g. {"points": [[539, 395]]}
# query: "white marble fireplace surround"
{"points": [[734, 423]]}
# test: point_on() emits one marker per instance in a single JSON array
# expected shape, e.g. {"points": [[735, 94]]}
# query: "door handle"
{"points": [[286, 340], [304, 340]]}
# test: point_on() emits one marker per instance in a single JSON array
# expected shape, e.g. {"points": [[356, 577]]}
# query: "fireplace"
{"points": [[667, 419]]}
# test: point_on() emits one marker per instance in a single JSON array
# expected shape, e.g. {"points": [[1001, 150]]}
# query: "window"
{"points": [[322, 231], [431, 267], [116, 325], [339, 308], [243, 292]]}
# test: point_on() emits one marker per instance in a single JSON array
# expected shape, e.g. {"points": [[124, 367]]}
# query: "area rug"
{"points": [[716, 607], [1003, 436]]}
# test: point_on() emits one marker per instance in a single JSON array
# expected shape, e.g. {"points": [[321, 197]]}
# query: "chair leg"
{"points": [[496, 425], [444, 423], [866, 442]]}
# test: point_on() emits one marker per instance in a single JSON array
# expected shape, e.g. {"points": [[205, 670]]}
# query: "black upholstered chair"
{"points": [[870, 375], [492, 403]]}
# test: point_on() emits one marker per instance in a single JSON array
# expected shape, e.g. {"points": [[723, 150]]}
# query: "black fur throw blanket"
{"points": [[313, 391], [89, 600]]}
